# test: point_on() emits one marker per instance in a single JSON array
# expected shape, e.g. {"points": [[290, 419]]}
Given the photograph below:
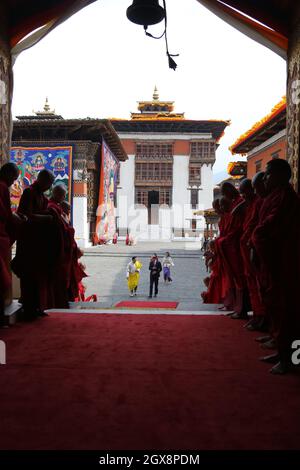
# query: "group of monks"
{"points": [[47, 256], [255, 260]]}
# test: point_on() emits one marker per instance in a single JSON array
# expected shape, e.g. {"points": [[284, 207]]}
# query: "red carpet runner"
{"points": [[82, 381], [146, 304]]}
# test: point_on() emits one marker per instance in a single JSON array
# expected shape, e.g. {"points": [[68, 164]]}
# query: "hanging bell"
{"points": [[145, 12]]}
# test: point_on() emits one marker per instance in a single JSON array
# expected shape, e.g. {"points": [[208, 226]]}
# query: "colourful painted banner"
{"points": [[106, 222], [31, 160]]}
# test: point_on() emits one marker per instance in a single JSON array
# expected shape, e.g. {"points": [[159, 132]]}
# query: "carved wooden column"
{"points": [[293, 98], [6, 86]]}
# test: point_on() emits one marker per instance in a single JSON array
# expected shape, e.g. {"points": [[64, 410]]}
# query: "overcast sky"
{"points": [[98, 64]]}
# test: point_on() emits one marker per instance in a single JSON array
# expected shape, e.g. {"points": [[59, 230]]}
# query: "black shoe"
{"points": [[155, 295], [149, 296]]}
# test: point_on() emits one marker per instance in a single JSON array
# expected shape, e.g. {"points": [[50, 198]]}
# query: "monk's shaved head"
{"points": [[59, 193], [9, 172], [278, 174], [45, 179], [259, 184], [229, 191], [246, 189]]}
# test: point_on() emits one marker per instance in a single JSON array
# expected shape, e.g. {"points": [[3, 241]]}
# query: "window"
{"points": [[275, 154], [203, 150], [194, 225], [258, 166], [195, 173], [165, 196], [194, 198], [141, 197], [154, 172], [154, 151]]}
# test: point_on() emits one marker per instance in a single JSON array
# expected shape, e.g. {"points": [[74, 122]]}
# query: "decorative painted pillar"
{"points": [[293, 98], [6, 86]]}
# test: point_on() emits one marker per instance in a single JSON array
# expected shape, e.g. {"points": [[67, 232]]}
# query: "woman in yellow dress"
{"points": [[133, 275]]}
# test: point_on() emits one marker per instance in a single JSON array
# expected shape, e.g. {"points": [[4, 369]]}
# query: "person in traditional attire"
{"points": [[9, 173], [62, 279], [167, 263], [77, 270], [229, 246], [38, 248], [276, 241], [155, 269], [213, 295], [247, 192], [133, 275], [251, 192]]}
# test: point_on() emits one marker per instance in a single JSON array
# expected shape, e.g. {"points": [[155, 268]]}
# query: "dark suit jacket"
{"points": [[155, 270]]}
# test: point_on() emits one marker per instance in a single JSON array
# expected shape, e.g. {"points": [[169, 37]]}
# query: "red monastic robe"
{"points": [[63, 274], [37, 254], [77, 272], [229, 246], [218, 283], [250, 223], [276, 240], [5, 241]]}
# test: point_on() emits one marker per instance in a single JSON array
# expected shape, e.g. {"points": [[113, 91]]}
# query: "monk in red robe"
{"points": [[276, 241], [77, 271], [62, 279], [253, 204], [231, 253], [8, 174], [215, 291], [213, 295], [38, 249]]}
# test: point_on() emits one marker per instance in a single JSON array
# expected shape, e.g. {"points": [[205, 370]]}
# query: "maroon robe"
{"points": [[213, 295], [5, 242], [250, 223], [37, 252], [63, 274], [276, 240], [229, 246]]}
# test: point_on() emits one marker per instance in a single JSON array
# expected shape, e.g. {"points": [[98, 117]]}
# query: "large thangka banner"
{"points": [[31, 160], [106, 222]]}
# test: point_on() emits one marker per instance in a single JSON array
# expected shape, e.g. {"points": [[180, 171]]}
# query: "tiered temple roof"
{"points": [[158, 116]]}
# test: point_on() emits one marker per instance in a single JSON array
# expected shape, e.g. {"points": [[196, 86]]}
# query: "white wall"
{"points": [[181, 195], [125, 193], [207, 185], [80, 222]]}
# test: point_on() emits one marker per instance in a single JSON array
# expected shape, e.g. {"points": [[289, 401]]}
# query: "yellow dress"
{"points": [[134, 278]]}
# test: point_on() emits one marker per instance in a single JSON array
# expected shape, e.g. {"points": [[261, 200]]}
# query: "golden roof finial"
{"points": [[155, 94], [46, 106]]}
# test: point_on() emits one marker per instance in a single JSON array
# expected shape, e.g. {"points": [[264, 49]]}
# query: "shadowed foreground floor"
{"points": [[83, 381]]}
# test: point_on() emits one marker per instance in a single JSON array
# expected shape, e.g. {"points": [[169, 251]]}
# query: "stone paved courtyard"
{"points": [[106, 266]]}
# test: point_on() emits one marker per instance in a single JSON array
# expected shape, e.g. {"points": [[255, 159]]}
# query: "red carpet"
{"points": [[145, 304], [83, 381]]}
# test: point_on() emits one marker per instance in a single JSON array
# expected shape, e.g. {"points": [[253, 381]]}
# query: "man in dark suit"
{"points": [[155, 269]]}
